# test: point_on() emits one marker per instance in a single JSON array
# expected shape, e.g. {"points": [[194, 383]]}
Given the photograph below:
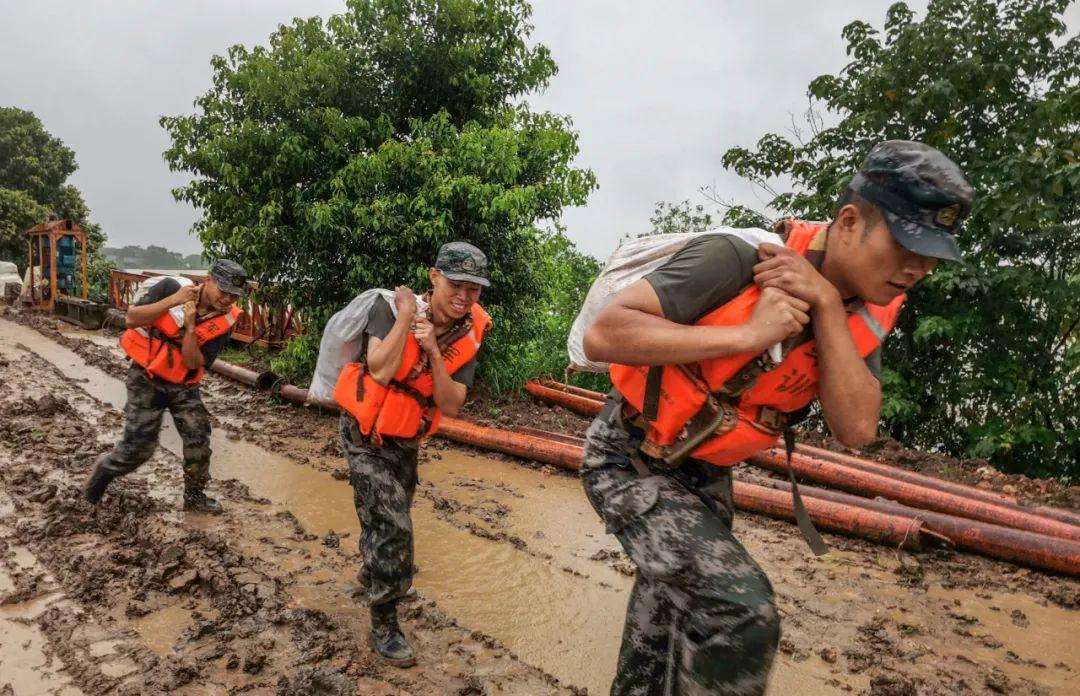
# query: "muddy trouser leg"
{"points": [[722, 625], [384, 481], [142, 423], [193, 423]]}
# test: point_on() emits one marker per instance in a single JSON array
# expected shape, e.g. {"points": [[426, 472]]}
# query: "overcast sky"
{"points": [[657, 90]]}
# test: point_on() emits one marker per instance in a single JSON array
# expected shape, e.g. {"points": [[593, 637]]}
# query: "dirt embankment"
{"points": [[206, 594]]}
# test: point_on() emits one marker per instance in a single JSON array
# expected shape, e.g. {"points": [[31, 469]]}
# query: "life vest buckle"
{"points": [[770, 420]]}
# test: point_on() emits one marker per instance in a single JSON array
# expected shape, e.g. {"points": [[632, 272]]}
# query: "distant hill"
{"points": [[155, 257]]}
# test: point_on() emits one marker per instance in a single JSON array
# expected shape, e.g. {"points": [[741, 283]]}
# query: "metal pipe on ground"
{"points": [[899, 531], [571, 389], [993, 541], [937, 484], [541, 449], [580, 401], [258, 380], [850, 519], [854, 519], [872, 484], [583, 405]]}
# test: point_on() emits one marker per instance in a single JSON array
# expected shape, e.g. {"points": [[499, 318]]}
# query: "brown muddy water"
{"points": [[520, 555]]}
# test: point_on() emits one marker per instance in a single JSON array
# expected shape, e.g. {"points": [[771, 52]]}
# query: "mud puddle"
{"points": [[496, 542]]}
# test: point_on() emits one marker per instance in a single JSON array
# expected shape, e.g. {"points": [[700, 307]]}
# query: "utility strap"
{"points": [[650, 407], [802, 519]]}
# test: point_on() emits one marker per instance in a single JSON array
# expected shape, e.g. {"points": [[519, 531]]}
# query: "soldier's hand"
{"points": [[786, 270], [188, 293], [405, 301], [425, 336], [776, 317], [190, 310]]}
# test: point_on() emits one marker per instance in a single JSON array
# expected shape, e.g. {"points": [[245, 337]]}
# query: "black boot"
{"points": [[195, 500], [99, 481], [386, 638]]}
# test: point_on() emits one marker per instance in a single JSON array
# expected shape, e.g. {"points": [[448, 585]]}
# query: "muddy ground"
{"points": [[519, 589]]}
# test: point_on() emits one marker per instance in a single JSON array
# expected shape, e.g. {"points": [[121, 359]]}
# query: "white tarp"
{"points": [[630, 263], [9, 273]]}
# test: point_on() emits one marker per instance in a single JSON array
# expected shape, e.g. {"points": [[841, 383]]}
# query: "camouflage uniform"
{"points": [[146, 404], [384, 481], [701, 617]]}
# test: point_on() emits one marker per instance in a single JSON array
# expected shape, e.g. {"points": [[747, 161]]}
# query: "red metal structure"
{"points": [[265, 325]]}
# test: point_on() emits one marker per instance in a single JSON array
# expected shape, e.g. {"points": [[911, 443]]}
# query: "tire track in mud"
{"points": [[193, 604], [864, 620]]}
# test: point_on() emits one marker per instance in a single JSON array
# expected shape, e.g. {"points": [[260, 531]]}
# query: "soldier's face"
{"points": [[889, 270], [452, 298], [218, 298], [877, 268]]}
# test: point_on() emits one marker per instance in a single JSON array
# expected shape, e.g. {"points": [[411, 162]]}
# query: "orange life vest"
{"points": [[750, 402], [157, 347], [404, 408]]}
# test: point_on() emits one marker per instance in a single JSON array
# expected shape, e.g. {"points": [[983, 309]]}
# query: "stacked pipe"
{"points": [[565, 451], [923, 511], [972, 519]]}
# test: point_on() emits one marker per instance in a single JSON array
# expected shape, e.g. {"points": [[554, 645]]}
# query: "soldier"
{"points": [[687, 345], [174, 333], [413, 368]]}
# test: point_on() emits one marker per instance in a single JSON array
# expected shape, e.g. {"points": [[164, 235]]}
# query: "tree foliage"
{"points": [[986, 360], [33, 168], [678, 218], [343, 154]]}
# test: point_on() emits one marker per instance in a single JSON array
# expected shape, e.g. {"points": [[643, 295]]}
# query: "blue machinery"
{"points": [[60, 247]]}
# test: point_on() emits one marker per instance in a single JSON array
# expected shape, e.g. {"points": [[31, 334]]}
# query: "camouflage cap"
{"points": [[230, 277], [922, 193], [463, 261]]}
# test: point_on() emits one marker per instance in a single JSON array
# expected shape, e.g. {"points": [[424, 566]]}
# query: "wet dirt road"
{"points": [[507, 551]]}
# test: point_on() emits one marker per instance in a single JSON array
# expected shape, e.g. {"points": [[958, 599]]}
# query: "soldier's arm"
{"points": [[189, 344], [850, 395], [632, 330], [449, 396], [145, 315], [384, 356]]}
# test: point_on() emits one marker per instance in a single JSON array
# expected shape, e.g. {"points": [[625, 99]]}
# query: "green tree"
{"points": [[33, 168], [675, 218], [342, 155], [986, 360], [18, 213]]}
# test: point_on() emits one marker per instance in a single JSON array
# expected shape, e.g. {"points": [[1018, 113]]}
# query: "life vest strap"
{"points": [[802, 518], [650, 408]]}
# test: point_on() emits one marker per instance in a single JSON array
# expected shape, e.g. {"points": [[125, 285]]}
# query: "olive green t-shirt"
{"points": [[709, 272]]}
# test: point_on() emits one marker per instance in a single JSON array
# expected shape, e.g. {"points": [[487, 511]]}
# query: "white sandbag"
{"points": [[631, 262], [342, 338]]}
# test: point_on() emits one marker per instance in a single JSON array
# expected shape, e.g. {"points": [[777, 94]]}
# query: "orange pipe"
{"points": [[857, 518], [580, 401], [259, 380], [583, 405], [868, 483], [937, 484], [571, 389], [852, 519], [563, 454], [993, 541], [889, 529]]}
